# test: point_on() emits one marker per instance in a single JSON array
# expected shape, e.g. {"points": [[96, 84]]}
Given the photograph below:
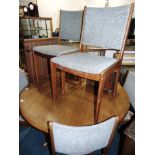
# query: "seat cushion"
{"points": [[84, 62], [23, 81], [129, 86], [55, 50]]}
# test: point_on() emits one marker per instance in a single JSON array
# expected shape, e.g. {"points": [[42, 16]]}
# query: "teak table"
{"points": [[76, 108]]}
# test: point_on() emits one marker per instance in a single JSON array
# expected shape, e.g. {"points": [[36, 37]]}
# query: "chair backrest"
{"points": [[23, 81], [129, 86], [70, 25], [81, 140], [106, 27]]}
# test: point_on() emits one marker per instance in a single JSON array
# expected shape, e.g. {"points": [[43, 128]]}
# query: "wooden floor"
{"points": [[75, 108]]}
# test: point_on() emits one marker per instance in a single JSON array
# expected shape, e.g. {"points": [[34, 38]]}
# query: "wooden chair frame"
{"points": [[96, 77], [104, 151]]}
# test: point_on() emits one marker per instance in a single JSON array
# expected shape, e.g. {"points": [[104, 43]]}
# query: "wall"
{"points": [[51, 8]]}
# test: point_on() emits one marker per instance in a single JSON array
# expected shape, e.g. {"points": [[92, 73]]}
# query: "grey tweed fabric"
{"points": [[70, 25], [23, 81], [55, 50], [105, 27], [82, 140], [84, 62], [129, 86]]}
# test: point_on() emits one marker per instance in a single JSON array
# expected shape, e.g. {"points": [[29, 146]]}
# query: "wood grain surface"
{"points": [[75, 108]]}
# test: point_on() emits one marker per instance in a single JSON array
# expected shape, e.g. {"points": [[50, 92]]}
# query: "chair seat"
{"points": [[84, 62], [23, 81], [55, 50]]}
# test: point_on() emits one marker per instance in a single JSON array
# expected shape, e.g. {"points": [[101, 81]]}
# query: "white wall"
{"points": [[101, 3], [51, 8]]}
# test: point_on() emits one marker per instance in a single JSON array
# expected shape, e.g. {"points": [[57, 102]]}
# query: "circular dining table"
{"points": [[75, 108]]}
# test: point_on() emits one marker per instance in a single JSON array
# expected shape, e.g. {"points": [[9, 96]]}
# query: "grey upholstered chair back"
{"points": [[70, 25], [129, 86], [82, 140], [105, 27], [23, 81]]}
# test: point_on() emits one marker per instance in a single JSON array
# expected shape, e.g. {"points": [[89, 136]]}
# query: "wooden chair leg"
{"points": [[115, 84], [53, 81], [63, 82], [35, 66], [80, 81], [99, 97]]}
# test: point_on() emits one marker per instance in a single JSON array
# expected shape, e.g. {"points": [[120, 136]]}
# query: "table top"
{"points": [[76, 108]]}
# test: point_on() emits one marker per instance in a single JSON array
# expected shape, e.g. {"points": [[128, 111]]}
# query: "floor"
{"points": [[31, 142]]}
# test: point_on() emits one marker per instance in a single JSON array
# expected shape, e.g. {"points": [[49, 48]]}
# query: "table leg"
{"points": [[53, 81], [63, 82]]}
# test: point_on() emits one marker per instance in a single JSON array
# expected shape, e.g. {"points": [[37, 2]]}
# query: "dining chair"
{"points": [[70, 30], [106, 28], [23, 83], [82, 140], [129, 86]]}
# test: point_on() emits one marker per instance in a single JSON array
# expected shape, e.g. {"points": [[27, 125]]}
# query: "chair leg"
{"points": [[53, 81], [63, 82], [80, 81], [115, 84], [35, 66], [99, 97]]}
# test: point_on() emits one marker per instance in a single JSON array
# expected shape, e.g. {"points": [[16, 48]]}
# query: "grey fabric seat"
{"points": [[70, 29], [23, 81], [129, 86], [81, 140], [84, 62], [55, 50]]}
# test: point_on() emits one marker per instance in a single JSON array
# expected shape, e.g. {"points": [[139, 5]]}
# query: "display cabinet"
{"points": [[35, 27]]}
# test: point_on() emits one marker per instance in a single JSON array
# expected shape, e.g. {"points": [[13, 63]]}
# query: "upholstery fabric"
{"points": [[82, 140], [84, 62], [105, 27], [54, 50], [129, 86], [23, 81], [70, 25]]}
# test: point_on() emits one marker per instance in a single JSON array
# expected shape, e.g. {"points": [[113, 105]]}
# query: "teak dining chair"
{"points": [[70, 30], [23, 83], [82, 140], [106, 28]]}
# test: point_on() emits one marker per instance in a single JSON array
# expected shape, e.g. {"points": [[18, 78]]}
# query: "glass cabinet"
{"points": [[35, 27]]}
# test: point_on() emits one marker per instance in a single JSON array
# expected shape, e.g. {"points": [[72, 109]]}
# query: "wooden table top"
{"points": [[75, 108]]}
